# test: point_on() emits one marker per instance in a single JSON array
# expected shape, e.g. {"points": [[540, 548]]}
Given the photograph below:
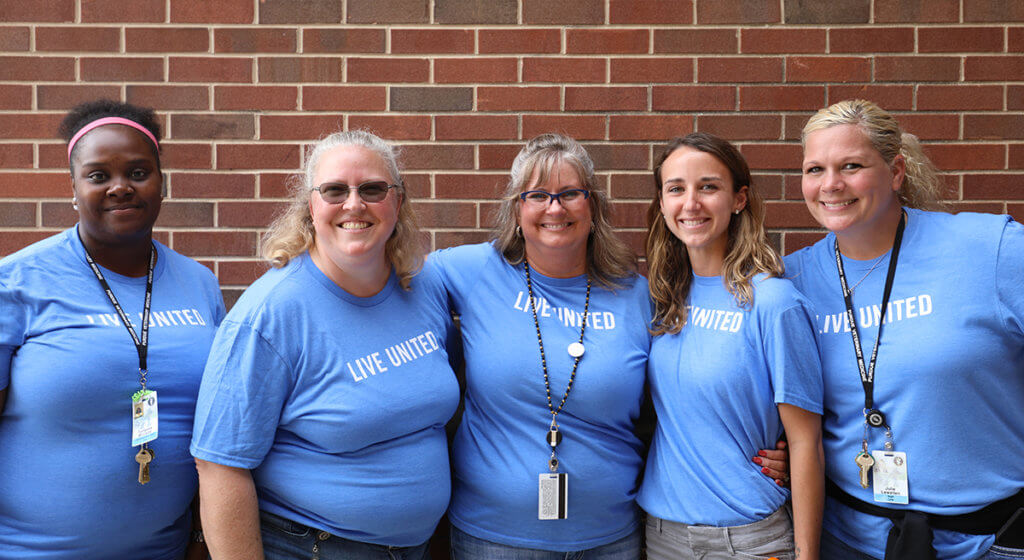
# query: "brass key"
{"points": [[865, 462], [143, 457]]}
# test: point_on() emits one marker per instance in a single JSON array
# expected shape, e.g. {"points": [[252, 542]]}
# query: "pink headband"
{"points": [[110, 120]]}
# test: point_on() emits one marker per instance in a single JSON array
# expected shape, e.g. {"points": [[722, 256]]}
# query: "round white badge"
{"points": [[576, 349]]}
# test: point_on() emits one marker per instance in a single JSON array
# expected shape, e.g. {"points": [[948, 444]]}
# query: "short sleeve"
{"points": [[791, 350], [1010, 276], [6, 352], [13, 324], [245, 386]]}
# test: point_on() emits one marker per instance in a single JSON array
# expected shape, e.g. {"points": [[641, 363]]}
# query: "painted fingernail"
{"points": [[762, 453], [757, 460], [764, 470]]}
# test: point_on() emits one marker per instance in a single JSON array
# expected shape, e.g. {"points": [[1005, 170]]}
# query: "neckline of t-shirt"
{"points": [[307, 264], [550, 281], [706, 280], [79, 249]]}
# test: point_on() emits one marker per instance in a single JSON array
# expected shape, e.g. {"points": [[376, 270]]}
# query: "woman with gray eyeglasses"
{"points": [[319, 430]]}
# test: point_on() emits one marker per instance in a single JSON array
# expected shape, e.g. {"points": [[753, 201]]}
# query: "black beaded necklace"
{"points": [[554, 436]]}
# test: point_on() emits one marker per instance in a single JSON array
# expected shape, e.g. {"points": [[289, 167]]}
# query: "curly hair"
{"points": [[85, 113]]}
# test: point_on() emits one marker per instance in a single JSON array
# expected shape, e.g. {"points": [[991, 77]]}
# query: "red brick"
{"points": [[1014, 98], [437, 156], [782, 41], [917, 11], [53, 156], [212, 185], [994, 68], [956, 207], [207, 126], [242, 272], [255, 98], [65, 97], [739, 11], [79, 39], [1001, 11], [119, 11], [930, 126], [431, 99], [872, 40], [1016, 156], [498, 156], [388, 70], [475, 70], [620, 156], [960, 39], [693, 98], [389, 11], [114, 69], [446, 214], [517, 98], [747, 69], [1015, 39], [18, 214], [57, 214], [13, 241], [252, 40], [166, 39], [630, 214], [34, 185], [773, 156], [994, 127], [32, 125], [954, 157], [893, 98], [344, 98], [828, 69], [168, 98], [959, 98], [642, 11], [247, 214], [791, 186], [15, 156], [186, 156], [578, 127], [742, 127], [14, 39], [575, 12], [475, 127], [655, 70], [174, 214], [345, 40], [393, 127], [476, 11], [993, 186], [417, 185], [609, 99], [470, 185], [794, 241], [701, 41], [834, 12], [37, 69], [1017, 211], [300, 69], [416, 41], [53, 11], [788, 215], [301, 11], [631, 185], [917, 68], [599, 41], [519, 41], [769, 185], [258, 156], [202, 11], [793, 124], [215, 243], [445, 239], [300, 126], [210, 69], [781, 98], [564, 70], [649, 127]]}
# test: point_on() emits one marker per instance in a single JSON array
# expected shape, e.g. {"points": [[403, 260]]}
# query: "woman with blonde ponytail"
{"points": [[733, 361], [924, 453]]}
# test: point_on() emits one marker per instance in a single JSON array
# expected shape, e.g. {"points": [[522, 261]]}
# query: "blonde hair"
{"points": [[292, 233], [922, 184], [748, 253], [608, 258]]}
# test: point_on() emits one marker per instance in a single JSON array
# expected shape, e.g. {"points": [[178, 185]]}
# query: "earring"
{"points": [[737, 211], [74, 203], [519, 231]]}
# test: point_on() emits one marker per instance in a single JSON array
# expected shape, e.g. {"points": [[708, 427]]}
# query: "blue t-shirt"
{"points": [[500, 447], [68, 477], [715, 386], [338, 403], [949, 376]]}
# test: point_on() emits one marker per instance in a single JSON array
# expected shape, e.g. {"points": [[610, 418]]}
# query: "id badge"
{"points": [[890, 477], [553, 499], [144, 417]]}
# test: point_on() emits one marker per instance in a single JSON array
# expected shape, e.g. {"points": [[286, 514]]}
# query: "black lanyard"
{"points": [[141, 345], [867, 374]]}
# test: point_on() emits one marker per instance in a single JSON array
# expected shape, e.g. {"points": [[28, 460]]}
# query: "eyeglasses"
{"points": [[336, 193], [570, 197]]}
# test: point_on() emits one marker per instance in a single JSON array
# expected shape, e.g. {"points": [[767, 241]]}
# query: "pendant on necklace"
{"points": [[576, 349]]}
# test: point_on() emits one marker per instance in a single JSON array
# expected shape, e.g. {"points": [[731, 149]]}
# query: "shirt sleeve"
{"points": [[1009, 272], [13, 324], [5, 366], [244, 389], [791, 352]]}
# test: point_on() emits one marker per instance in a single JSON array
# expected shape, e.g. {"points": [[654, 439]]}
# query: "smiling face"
{"points": [[117, 183], [352, 235], [849, 188], [556, 235], [697, 202]]}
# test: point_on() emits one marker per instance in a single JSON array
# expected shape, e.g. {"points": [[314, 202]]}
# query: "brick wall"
{"points": [[241, 85]]}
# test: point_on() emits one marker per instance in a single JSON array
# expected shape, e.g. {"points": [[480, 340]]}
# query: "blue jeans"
{"points": [[832, 547], [287, 540], [468, 547]]}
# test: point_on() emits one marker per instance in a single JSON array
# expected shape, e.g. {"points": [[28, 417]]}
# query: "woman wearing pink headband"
{"points": [[104, 334]]}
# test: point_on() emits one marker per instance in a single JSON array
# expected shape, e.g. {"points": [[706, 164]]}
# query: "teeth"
{"points": [[837, 204], [692, 222], [554, 226], [355, 225]]}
